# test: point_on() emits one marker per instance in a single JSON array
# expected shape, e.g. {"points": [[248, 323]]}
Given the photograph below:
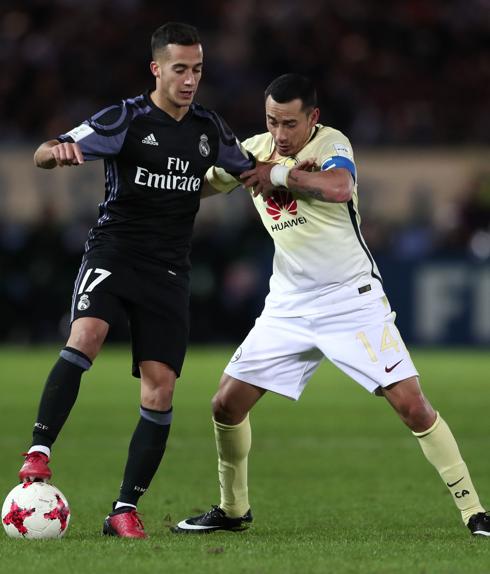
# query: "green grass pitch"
{"points": [[337, 484]]}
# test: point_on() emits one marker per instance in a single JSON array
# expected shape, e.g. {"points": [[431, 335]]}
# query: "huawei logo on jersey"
{"points": [[280, 201]]}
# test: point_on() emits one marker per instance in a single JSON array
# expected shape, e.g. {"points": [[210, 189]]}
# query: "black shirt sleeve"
{"points": [[232, 156], [102, 135]]}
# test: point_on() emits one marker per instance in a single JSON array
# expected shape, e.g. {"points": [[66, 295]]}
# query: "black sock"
{"points": [[59, 395], [145, 453]]}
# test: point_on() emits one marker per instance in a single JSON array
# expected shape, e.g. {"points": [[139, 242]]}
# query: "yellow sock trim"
{"points": [[429, 430], [233, 444], [441, 450]]}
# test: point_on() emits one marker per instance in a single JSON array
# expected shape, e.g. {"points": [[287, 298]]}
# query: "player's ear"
{"points": [[155, 69], [314, 116]]}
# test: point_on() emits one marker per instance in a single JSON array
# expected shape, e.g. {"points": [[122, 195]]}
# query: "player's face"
{"points": [[177, 71], [289, 124]]}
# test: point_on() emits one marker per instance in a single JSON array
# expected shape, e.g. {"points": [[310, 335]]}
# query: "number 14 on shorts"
{"points": [[388, 341]]}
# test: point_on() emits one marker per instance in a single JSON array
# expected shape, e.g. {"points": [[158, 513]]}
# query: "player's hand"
{"points": [[259, 178], [307, 165], [67, 153]]}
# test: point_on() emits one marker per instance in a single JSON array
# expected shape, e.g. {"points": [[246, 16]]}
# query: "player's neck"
{"points": [[275, 155], [176, 112]]}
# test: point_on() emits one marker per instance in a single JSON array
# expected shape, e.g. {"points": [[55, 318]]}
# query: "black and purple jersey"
{"points": [[154, 171]]}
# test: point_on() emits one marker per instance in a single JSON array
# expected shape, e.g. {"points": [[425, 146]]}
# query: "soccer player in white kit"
{"points": [[326, 299]]}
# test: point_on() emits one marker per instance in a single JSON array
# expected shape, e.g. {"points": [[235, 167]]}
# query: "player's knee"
{"points": [[417, 414], [217, 407], [224, 411], [87, 340], [157, 397]]}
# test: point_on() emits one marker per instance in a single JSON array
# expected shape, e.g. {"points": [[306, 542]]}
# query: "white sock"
{"points": [[121, 504], [40, 448]]}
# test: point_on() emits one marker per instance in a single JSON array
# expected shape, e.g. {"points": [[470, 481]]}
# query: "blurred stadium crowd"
{"points": [[399, 73], [389, 72]]}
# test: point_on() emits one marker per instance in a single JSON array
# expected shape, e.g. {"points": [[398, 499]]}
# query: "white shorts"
{"points": [[280, 354]]}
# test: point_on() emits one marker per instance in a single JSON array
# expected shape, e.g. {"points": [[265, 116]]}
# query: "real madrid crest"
{"points": [[204, 148], [83, 303]]}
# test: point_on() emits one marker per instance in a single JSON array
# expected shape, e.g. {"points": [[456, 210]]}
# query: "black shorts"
{"points": [[155, 302]]}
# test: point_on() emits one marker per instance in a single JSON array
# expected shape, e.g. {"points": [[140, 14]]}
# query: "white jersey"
{"points": [[320, 255]]}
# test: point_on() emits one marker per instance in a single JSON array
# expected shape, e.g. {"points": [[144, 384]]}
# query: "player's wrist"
{"points": [[279, 175]]}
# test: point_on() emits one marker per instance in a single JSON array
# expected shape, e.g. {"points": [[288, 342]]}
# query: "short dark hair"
{"points": [[174, 33], [289, 87]]}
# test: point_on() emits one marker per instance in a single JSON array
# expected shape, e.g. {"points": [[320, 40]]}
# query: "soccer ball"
{"points": [[35, 510]]}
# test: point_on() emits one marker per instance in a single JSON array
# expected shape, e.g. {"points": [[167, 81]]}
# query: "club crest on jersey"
{"points": [[204, 148], [83, 303]]}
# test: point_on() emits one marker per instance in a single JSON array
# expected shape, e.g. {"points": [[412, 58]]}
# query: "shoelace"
{"points": [[35, 454], [136, 516], [214, 509]]}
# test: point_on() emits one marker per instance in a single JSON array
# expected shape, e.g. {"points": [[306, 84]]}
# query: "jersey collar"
{"points": [[162, 114], [314, 130]]}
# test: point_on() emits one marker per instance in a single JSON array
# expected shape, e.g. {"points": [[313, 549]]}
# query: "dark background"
{"points": [[390, 75]]}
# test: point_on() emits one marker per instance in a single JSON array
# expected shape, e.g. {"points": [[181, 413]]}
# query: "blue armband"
{"points": [[340, 161]]}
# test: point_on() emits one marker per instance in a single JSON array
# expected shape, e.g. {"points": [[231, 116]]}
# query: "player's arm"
{"points": [[332, 185], [101, 136], [232, 156], [232, 159], [54, 153], [218, 181], [207, 190]]}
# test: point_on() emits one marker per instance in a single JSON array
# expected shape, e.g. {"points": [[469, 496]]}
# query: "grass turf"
{"points": [[337, 483]]}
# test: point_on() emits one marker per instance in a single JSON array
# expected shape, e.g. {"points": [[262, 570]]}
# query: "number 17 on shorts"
{"points": [[83, 300]]}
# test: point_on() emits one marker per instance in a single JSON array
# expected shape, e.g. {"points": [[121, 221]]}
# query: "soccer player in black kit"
{"points": [[156, 149]]}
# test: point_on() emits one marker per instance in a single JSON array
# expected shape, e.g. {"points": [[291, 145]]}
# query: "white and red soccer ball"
{"points": [[35, 510]]}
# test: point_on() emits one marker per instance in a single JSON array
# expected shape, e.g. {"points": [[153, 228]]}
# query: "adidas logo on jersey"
{"points": [[150, 140]]}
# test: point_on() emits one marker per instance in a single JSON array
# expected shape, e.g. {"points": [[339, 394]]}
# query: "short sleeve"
{"points": [[232, 155], [337, 152], [221, 180], [103, 134]]}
